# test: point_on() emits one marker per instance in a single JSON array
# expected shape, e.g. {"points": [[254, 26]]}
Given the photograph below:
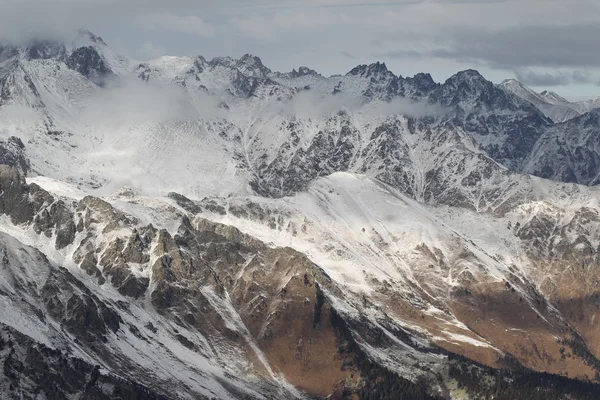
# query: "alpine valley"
{"points": [[191, 229]]}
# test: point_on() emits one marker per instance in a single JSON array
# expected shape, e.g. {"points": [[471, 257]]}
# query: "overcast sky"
{"points": [[548, 44]]}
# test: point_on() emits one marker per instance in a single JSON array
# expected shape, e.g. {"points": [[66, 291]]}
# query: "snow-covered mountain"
{"points": [[192, 228], [569, 152], [554, 106]]}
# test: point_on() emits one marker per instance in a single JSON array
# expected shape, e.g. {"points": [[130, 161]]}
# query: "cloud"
{"points": [[150, 50], [401, 54], [256, 26], [22, 20], [187, 24], [405, 107], [573, 45], [131, 102], [308, 104], [561, 78], [271, 25]]}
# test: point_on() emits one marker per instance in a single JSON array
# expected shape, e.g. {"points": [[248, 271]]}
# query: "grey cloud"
{"points": [[188, 24], [347, 55], [131, 101], [22, 20], [313, 105], [573, 45], [534, 78], [364, 3], [400, 54]]}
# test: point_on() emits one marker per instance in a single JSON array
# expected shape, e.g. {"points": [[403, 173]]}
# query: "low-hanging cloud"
{"points": [[405, 107], [133, 102], [308, 104]]}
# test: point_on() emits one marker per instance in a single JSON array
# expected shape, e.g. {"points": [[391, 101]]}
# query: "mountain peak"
{"points": [[470, 74], [45, 49], [419, 85], [85, 35], [248, 65], [470, 77], [469, 90], [553, 97], [89, 63], [302, 71], [423, 76], [306, 71], [253, 65], [368, 71], [511, 82], [422, 80], [35, 49], [515, 86], [251, 60], [220, 60]]}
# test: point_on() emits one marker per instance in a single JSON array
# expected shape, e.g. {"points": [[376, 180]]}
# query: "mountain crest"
{"points": [[369, 71], [85, 35], [419, 86], [553, 97], [470, 77], [248, 65], [43, 50], [253, 65], [303, 71], [90, 64]]}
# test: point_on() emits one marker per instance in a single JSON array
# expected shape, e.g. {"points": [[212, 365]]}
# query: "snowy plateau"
{"points": [[184, 228]]}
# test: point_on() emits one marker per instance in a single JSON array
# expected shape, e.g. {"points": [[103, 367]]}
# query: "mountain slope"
{"points": [[184, 228], [569, 151]]}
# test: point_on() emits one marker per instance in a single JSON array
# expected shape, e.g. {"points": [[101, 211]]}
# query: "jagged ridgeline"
{"points": [[181, 228]]}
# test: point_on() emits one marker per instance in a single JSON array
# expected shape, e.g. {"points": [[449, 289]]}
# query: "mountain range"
{"points": [[200, 229]]}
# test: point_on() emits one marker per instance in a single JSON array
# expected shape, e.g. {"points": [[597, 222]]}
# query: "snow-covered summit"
{"points": [[551, 104]]}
